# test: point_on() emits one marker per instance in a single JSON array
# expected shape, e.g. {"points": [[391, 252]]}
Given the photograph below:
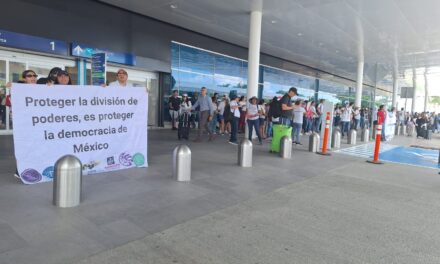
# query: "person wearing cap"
{"points": [[206, 114], [253, 118], [121, 79], [63, 78], [235, 110]]}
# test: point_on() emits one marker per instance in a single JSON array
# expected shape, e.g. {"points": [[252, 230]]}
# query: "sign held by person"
{"points": [[106, 128]]}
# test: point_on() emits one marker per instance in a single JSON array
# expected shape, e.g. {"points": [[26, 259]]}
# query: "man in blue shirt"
{"points": [[206, 113]]}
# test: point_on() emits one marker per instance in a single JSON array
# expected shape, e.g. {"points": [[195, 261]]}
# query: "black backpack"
{"points": [[275, 109]]}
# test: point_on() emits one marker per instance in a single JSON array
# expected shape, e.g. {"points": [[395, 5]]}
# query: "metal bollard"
{"points": [[402, 130], [336, 140], [352, 137], [182, 163], [245, 153], [314, 141], [374, 132], [397, 130], [365, 135], [67, 182], [286, 147]]}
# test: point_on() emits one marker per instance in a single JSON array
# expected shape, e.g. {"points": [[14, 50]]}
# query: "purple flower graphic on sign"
{"points": [[31, 176], [125, 159]]}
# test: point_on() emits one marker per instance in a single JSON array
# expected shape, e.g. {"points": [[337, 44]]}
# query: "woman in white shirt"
{"points": [[221, 116], [253, 119], [298, 117], [185, 106]]}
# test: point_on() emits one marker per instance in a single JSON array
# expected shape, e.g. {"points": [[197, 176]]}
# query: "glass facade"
{"points": [[193, 68]]}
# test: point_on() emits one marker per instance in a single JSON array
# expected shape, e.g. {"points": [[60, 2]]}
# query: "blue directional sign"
{"points": [[81, 50], [98, 68], [23, 41]]}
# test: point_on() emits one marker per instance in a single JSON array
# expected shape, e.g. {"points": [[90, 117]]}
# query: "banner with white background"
{"points": [[105, 128]]}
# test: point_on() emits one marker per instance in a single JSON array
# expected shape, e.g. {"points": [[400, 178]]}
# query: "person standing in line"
{"points": [[227, 115], [287, 107], [235, 110], [253, 119], [381, 117], [174, 107], [121, 79], [345, 119], [400, 117], [356, 118], [242, 108], [221, 115], [262, 110], [206, 114], [319, 112], [213, 123], [298, 117], [195, 113], [337, 115], [310, 115]]}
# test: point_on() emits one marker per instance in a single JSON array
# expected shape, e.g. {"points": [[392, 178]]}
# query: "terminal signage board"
{"points": [[98, 68], [85, 51], [28, 42]]}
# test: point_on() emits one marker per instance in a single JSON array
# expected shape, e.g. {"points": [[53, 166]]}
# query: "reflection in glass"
{"points": [[15, 71]]}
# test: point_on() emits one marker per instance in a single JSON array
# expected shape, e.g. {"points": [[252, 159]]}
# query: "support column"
{"points": [[414, 79], [395, 78], [425, 106], [254, 53], [395, 87], [359, 83], [360, 65]]}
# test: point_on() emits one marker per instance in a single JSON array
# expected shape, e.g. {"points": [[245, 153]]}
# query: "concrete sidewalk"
{"points": [[310, 209]]}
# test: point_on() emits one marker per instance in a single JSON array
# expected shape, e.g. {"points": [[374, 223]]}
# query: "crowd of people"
{"points": [[223, 115]]}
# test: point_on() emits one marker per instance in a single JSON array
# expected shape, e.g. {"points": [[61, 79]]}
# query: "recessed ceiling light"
{"points": [[299, 34], [173, 6], [273, 21]]}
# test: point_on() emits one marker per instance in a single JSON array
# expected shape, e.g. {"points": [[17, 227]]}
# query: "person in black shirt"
{"points": [[174, 107], [287, 107]]}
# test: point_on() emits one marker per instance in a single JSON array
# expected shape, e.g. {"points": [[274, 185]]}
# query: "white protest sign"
{"points": [[106, 128]]}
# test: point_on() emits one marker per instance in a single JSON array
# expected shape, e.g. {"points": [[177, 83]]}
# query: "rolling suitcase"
{"points": [[184, 126], [279, 131]]}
